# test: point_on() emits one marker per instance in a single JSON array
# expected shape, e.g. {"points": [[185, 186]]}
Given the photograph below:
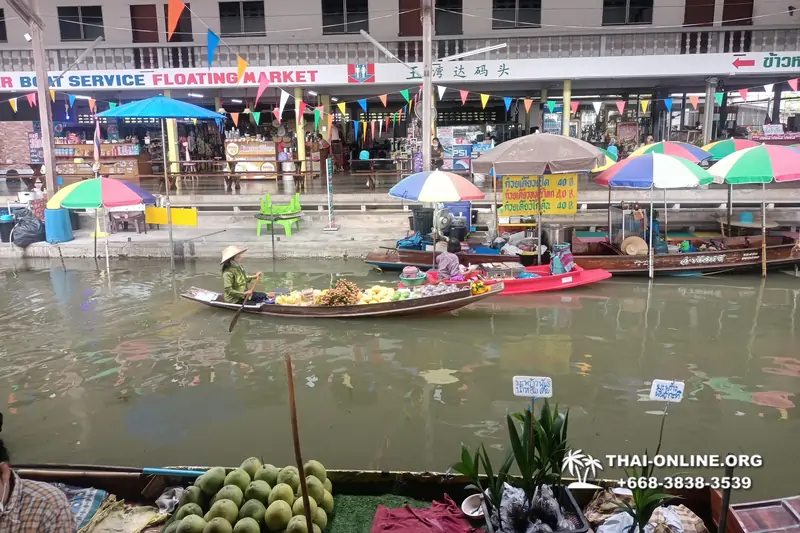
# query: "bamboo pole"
{"points": [[296, 438], [168, 206]]}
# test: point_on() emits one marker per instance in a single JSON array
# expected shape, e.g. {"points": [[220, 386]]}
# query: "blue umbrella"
{"points": [[160, 107]]}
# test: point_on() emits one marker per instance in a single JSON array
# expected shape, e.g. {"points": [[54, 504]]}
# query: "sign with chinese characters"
{"points": [[664, 390], [533, 386], [556, 194]]}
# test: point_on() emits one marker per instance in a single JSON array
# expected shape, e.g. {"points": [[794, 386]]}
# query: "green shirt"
{"points": [[234, 283]]}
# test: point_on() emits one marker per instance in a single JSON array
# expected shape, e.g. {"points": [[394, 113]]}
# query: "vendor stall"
{"points": [[117, 160], [252, 154]]}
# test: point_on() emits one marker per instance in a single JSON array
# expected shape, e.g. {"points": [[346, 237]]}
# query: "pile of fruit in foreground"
{"points": [[254, 498]]}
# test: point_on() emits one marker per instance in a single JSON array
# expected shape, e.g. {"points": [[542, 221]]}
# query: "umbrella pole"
{"points": [[730, 208], [608, 213], [96, 230], [650, 247], [666, 229], [764, 230], [539, 223], [494, 205], [169, 211], [108, 267]]}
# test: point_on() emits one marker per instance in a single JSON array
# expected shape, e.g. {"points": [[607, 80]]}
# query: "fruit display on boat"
{"points": [[478, 287], [347, 293], [254, 498], [344, 293], [426, 291]]}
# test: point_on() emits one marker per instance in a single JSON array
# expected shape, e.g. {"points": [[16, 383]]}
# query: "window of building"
{"points": [[81, 23], [183, 31], [3, 34], [448, 17], [238, 19], [144, 23], [344, 16], [616, 12], [513, 14]]}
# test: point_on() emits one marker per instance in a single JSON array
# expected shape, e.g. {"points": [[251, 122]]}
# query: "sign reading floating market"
{"points": [[557, 193]]}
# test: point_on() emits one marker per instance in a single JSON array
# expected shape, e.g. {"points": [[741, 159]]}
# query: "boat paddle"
{"points": [[241, 308]]}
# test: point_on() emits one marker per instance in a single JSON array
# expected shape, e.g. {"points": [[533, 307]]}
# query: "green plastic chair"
{"points": [[267, 208]]}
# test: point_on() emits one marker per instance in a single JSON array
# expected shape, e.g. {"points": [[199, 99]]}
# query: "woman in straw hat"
{"points": [[235, 279]]}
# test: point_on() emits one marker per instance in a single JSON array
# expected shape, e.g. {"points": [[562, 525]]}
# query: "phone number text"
{"points": [[685, 482]]}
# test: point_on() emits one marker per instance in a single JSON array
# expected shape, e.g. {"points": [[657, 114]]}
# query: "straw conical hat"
{"points": [[633, 245], [230, 252]]}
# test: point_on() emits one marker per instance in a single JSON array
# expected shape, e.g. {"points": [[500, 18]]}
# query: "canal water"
{"points": [[122, 371]]}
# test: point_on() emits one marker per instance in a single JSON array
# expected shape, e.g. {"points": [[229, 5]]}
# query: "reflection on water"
{"points": [[122, 371]]}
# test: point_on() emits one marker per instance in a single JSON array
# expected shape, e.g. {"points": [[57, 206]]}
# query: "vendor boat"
{"points": [[399, 258], [543, 281], [441, 303]]}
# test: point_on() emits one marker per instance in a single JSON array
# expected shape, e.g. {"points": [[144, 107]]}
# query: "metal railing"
{"points": [[352, 49]]}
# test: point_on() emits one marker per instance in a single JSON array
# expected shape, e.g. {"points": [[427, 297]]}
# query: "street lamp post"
{"points": [[427, 85]]}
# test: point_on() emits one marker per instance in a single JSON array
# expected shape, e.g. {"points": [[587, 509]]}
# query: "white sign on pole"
{"points": [[533, 386], [329, 178], [665, 390]]}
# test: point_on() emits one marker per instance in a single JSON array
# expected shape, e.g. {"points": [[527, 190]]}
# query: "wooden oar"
{"points": [[239, 311]]}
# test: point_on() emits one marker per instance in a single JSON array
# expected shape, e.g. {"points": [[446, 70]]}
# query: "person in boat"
{"points": [[31, 506], [447, 264], [235, 280]]}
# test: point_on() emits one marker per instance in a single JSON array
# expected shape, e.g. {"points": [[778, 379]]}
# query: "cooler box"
{"points": [[58, 225], [6, 225]]}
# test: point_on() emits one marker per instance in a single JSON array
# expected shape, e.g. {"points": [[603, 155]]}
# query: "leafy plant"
{"points": [[470, 466], [524, 451], [549, 442]]}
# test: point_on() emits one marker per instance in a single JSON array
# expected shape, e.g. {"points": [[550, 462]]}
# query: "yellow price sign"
{"points": [[559, 195]]}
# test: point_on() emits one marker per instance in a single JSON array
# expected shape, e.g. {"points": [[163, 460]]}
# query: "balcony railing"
{"points": [[352, 49]]}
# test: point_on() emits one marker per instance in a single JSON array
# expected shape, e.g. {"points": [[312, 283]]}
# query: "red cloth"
{"points": [[441, 517], [38, 207]]}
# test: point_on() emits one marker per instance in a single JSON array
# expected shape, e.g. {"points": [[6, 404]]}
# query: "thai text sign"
{"points": [[533, 386], [667, 391], [557, 194]]}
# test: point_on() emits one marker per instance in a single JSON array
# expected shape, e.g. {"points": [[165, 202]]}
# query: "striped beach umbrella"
{"points": [[610, 160], [436, 186], [724, 148], [760, 164], [684, 150], [654, 171], [100, 192]]}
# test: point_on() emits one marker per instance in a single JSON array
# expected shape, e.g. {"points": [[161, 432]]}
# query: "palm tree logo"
{"points": [[576, 462]]}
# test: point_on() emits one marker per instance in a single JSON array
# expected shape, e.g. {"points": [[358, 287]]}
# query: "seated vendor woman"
{"points": [[235, 280], [447, 263]]}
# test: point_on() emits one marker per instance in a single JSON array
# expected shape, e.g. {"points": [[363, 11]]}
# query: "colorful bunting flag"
{"points": [[363, 104], [769, 87], [718, 98], [300, 108], [263, 83], [464, 95], [277, 114], [283, 100], [644, 104], [573, 105], [174, 10], [241, 66], [597, 106], [31, 99], [356, 126], [404, 92], [194, 120], [668, 104], [112, 105], [317, 116], [212, 42], [743, 93], [364, 132], [342, 108], [330, 124], [52, 96], [372, 127], [551, 105], [694, 100], [256, 116], [441, 89], [507, 101], [383, 99], [71, 98], [92, 105], [13, 104], [235, 118], [793, 84], [484, 99], [621, 106], [527, 102]]}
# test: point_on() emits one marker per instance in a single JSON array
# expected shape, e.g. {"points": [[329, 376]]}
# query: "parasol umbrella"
{"points": [[720, 149], [161, 107], [610, 160], [760, 164], [654, 171], [684, 150]]}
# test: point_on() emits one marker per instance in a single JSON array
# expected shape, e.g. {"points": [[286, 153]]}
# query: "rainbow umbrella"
{"points": [[684, 150], [720, 149], [100, 192], [655, 171], [610, 160], [435, 187]]}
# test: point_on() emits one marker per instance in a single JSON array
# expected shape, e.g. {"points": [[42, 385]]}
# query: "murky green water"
{"points": [[128, 373]]}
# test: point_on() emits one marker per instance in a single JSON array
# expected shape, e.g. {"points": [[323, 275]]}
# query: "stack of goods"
{"points": [[478, 287], [434, 290], [253, 498]]}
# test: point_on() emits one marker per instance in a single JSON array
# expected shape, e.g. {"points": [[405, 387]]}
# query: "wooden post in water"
{"points": [[726, 502], [296, 438], [763, 230]]}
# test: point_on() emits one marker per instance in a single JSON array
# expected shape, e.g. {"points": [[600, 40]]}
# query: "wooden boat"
{"points": [[546, 282], [782, 515], [398, 258], [442, 303]]}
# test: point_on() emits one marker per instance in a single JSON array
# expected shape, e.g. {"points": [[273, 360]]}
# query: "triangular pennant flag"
{"points": [[317, 116], [92, 105], [464, 95], [573, 105], [507, 101], [769, 87], [194, 120], [212, 42], [174, 10], [404, 112], [235, 118], [793, 84], [277, 114], [342, 108], [330, 123], [380, 124], [71, 98], [694, 100], [363, 104], [551, 105], [484, 99], [112, 105], [263, 83], [356, 126], [668, 104], [364, 133], [372, 127], [300, 108], [527, 102], [31, 99], [52, 95], [743, 93], [597, 106], [383, 99], [241, 66], [718, 98], [284, 99], [441, 89], [411, 103], [256, 116], [404, 92], [621, 106], [644, 104], [13, 104]]}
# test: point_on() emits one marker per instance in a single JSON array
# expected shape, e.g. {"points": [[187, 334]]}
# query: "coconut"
{"points": [[278, 515], [224, 509], [321, 518], [315, 468], [230, 492], [258, 490], [211, 481], [218, 525], [253, 509], [281, 491], [290, 476], [246, 525], [299, 506], [186, 510], [191, 524], [238, 477], [268, 473], [327, 503], [251, 466]]}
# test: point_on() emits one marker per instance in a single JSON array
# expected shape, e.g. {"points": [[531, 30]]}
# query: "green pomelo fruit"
{"points": [[278, 515], [238, 477], [268, 473], [253, 509], [315, 488], [315, 468], [211, 481], [172, 528], [193, 494], [298, 507], [290, 476], [321, 518], [327, 503], [230, 492], [251, 466], [328, 485], [186, 510], [281, 491], [223, 509], [246, 525], [218, 525], [298, 525], [191, 524], [258, 490]]}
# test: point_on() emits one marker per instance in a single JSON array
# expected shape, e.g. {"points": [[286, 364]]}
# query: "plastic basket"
{"points": [[412, 282]]}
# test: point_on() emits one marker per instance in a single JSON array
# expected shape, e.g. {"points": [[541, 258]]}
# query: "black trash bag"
{"points": [[27, 230]]}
